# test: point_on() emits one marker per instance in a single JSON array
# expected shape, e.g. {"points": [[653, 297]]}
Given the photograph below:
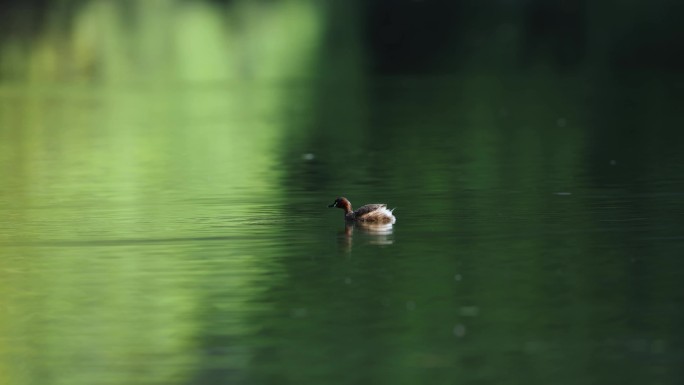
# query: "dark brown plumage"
{"points": [[375, 212]]}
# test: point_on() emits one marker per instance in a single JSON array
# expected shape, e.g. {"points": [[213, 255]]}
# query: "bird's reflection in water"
{"points": [[371, 233]]}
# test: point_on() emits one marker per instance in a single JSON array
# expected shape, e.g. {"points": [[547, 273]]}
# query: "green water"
{"points": [[182, 237], [169, 224]]}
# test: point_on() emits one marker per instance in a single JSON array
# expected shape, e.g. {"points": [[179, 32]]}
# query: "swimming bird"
{"points": [[372, 213]]}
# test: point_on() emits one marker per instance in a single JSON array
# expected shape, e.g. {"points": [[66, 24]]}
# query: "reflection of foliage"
{"points": [[111, 183], [167, 41], [511, 276], [425, 37]]}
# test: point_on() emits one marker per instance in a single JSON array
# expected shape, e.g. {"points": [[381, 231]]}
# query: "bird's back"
{"points": [[366, 209], [376, 213]]}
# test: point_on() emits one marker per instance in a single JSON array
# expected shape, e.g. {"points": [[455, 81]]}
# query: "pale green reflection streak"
{"points": [[169, 136], [169, 41]]}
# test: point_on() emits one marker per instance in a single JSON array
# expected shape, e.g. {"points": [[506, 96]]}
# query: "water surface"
{"points": [[180, 234]]}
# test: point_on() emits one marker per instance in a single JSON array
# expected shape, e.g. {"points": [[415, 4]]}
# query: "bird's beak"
{"points": [[334, 204]]}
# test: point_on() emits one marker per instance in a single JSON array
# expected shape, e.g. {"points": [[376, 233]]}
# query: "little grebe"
{"points": [[375, 213]]}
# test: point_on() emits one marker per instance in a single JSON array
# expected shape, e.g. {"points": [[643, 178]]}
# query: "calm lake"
{"points": [[183, 237], [172, 232]]}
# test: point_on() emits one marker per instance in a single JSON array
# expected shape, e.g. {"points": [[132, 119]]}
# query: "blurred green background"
{"points": [[165, 168]]}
